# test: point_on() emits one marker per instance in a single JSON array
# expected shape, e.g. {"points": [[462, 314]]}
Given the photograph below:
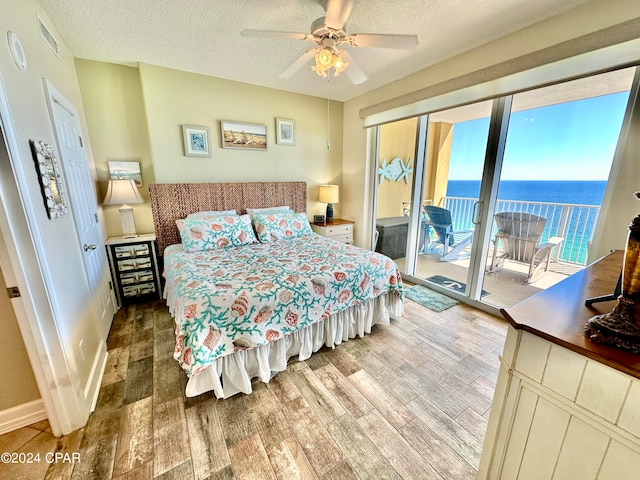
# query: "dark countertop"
{"points": [[559, 314]]}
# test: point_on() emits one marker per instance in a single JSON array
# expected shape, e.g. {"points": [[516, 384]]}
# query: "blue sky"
{"points": [[569, 141]]}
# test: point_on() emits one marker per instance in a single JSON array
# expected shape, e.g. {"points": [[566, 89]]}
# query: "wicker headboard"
{"points": [[173, 201]]}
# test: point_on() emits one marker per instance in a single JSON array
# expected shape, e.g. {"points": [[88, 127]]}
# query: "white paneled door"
{"points": [[84, 205]]}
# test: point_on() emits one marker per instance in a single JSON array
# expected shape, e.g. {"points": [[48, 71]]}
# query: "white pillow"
{"points": [[211, 213], [266, 211]]}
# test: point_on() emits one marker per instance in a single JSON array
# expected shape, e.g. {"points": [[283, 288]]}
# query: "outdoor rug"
{"points": [[429, 298], [451, 284]]}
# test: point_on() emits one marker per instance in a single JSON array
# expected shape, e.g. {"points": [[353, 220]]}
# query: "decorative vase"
{"points": [[621, 326]]}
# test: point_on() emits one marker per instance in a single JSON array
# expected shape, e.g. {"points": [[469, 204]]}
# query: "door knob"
{"points": [[89, 247]]}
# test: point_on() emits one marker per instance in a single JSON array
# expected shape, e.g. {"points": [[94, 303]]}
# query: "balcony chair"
{"points": [[519, 234], [452, 243]]}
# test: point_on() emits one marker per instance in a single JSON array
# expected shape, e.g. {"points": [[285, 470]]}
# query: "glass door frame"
{"points": [[483, 215], [485, 207], [417, 193]]}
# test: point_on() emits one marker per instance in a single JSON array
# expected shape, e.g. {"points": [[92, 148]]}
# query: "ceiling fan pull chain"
{"points": [[328, 129]]}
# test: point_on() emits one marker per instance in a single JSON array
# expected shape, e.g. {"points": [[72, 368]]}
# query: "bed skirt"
{"points": [[233, 373]]}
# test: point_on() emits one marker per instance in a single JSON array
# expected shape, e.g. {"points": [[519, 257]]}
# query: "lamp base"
{"points": [[619, 328], [329, 212], [128, 222]]}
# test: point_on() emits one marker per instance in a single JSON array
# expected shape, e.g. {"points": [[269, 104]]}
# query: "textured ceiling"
{"points": [[203, 36]]}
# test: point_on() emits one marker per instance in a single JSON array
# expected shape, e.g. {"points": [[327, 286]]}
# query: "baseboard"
{"points": [[92, 389], [22, 416]]}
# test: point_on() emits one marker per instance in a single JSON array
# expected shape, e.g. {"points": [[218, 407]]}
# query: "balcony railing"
{"points": [[575, 223]]}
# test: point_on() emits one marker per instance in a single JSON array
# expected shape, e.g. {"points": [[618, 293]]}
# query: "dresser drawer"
{"points": [[133, 278], [134, 264], [139, 290], [336, 230], [132, 251]]}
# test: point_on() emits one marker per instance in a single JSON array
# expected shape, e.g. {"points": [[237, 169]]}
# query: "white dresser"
{"points": [[565, 408], [339, 229]]}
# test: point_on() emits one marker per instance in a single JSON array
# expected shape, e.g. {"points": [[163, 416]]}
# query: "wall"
{"points": [[619, 205], [173, 98], [48, 260], [136, 114], [397, 139], [15, 368], [117, 123], [357, 168]]}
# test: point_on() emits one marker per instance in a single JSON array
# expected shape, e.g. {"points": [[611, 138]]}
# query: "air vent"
{"points": [[48, 37]]}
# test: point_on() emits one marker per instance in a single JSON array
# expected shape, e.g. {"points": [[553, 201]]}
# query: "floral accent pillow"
{"points": [[278, 226], [221, 231]]}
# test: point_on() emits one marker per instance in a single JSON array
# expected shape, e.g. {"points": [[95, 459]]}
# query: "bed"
{"points": [[242, 311]]}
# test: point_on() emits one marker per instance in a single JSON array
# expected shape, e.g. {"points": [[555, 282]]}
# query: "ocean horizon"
{"points": [[585, 192]]}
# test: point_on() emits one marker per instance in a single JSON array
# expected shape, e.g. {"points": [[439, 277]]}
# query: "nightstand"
{"points": [[339, 229], [134, 268]]}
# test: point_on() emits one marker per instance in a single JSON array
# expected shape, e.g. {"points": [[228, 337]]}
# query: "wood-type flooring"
{"points": [[409, 401]]}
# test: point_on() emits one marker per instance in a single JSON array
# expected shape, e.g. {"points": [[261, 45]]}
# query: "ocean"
{"points": [[585, 192], [574, 224]]}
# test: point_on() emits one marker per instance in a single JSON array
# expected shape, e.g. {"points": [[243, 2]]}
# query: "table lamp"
{"points": [[329, 194], [123, 192], [621, 326]]}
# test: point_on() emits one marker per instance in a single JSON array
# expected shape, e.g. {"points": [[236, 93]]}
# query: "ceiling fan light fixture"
{"points": [[319, 69], [327, 58], [339, 64]]}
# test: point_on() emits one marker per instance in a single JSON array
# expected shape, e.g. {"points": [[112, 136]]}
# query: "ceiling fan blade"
{"points": [[275, 34], [353, 71], [382, 40], [298, 64], [338, 12]]}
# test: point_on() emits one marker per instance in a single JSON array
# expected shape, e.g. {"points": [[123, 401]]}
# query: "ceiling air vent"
{"points": [[48, 37]]}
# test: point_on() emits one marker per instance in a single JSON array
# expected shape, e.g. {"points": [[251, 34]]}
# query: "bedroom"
{"points": [[341, 164]]}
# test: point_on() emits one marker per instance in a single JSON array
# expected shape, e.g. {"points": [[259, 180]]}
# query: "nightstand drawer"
{"points": [[342, 238], [136, 277], [139, 290], [131, 264], [132, 251], [335, 230]]}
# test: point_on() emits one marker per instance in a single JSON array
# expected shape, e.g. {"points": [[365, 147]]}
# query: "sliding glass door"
{"points": [[394, 180], [455, 154], [558, 154], [498, 200]]}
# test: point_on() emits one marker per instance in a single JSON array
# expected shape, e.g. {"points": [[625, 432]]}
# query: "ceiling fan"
{"points": [[328, 33]]}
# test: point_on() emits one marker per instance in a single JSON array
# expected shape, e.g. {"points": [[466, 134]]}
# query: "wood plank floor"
{"points": [[409, 401]]}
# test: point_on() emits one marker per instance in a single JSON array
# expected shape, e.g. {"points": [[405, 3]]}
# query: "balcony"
{"points": [[574, 223]]}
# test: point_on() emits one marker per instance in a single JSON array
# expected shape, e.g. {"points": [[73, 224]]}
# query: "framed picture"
{"points": [[50, 180], [285, 131], [125, 171], [197, 141], [319, 220], [246, 136]]}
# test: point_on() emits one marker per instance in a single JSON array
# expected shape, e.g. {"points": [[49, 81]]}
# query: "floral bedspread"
{"points": [[240, 297]]}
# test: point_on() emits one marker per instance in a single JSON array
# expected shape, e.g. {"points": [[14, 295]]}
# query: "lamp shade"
{"points": [[121, 192], [328, 194]]}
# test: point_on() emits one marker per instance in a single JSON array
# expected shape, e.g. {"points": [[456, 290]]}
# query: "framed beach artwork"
{"points": [[49, 173], [245, 136], [197, 141], [285, 131], [125, 171]]}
